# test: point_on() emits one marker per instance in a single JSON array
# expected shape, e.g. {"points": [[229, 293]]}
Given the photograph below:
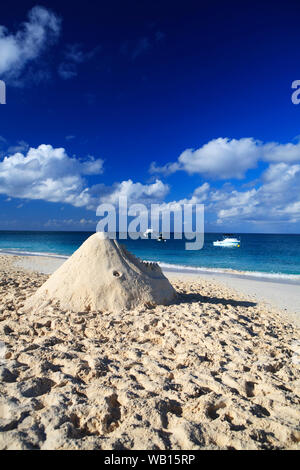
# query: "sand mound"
{"points": [[102, 275]]}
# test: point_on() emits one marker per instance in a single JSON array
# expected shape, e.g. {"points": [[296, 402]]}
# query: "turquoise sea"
{"points": [[263, 255]]}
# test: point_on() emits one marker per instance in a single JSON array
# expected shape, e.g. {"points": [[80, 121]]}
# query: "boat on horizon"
{"points": [[229, 240], [148, 232], [161, 238]]}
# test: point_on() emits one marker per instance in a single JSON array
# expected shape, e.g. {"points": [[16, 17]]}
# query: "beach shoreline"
{"points": [[58, 259], [279, 293]]}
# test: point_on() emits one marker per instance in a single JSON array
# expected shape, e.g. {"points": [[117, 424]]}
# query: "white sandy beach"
{"points": [[216, 369], [282, 295]]}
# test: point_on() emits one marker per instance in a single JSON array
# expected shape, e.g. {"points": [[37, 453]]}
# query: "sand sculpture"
{"points": [[103, 275]]}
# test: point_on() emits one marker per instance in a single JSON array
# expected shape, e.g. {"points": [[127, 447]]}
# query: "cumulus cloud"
{"points": [[48, 173], [276, 200], [274, 196], [288, 153], [225, 158], [220, 158], [136, 192], [26, 45]]}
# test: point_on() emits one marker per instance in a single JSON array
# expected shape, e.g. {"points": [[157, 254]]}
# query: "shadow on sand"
{"points": [[184, 298]]}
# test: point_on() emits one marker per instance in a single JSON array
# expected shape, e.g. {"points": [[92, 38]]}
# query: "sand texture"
{"points": [[213, 370]]}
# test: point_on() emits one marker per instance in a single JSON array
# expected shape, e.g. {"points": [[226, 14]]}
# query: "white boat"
{"points": [[148, 232], [161, 238], [228, 240]]}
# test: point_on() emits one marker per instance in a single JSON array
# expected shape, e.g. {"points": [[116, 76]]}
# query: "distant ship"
{"points": [[148, 232], [160, 238], [228, 240]]}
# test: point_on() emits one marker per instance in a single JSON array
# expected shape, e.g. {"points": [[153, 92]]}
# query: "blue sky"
{"points": [[159, 101]]}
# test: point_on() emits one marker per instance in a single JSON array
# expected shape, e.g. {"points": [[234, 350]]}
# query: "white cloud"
{"points": [[276, 200], [28, 43], [199, 196], [134, 192], [225, 158], [288, 153], [220, 158], [201, 193], [48, 173], [166, 170]]}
